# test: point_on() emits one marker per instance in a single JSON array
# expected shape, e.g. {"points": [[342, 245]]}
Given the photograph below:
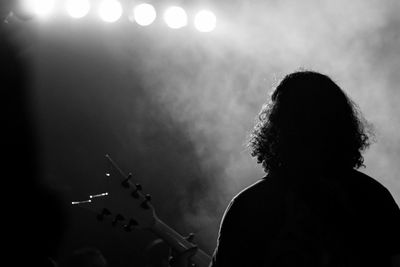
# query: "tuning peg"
{"points": [[103, 213], [131, 224], [145, 202], [125, 183], [117, 218], [190, 237], [135, 193], [138, 187]]}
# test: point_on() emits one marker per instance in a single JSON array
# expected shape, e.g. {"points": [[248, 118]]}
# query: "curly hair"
{"points": [[309, 119]]}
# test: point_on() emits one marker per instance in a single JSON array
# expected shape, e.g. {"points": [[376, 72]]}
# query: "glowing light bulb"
{"points": [[144, 14], [110, 10], [205, 21], [78, 8], [38, 7], [175, 17]]}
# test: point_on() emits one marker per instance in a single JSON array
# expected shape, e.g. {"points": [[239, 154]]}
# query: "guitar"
{"points": [[148, 218]]}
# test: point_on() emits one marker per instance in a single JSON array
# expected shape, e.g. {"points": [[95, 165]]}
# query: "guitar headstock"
{"points": [[124, 204], [114, 206]]}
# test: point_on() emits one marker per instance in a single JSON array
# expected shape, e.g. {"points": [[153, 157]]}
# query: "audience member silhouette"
{"points": [[313, 208]]}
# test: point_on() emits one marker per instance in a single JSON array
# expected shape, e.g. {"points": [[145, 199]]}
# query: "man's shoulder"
{"points": [[251, 209], [366, 182], [260, 191]]}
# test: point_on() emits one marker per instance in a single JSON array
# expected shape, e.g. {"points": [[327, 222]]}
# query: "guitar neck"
{"points": [[179, 243]]}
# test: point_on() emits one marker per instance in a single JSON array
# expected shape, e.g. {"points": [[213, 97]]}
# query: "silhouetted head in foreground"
{"points": [[309, 123]]}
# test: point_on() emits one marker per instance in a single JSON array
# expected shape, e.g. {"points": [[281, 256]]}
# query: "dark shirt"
{"points": [[332, 219]]}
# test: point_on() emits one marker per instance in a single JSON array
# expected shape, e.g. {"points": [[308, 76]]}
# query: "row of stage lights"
{"points": [[143, 14]]}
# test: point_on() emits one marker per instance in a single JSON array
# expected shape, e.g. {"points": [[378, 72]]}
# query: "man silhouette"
{"points": [[313, 208]]}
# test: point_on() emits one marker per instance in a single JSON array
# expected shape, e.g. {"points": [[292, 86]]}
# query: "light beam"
{"points": [[40, 8], [175, 17], [205, 21], [110, 10], [144, 14], [77, 8]]}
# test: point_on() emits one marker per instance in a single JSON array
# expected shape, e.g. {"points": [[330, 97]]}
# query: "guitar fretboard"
{"points": [[179, 243]]}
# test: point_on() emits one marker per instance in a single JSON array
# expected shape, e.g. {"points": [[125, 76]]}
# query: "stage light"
{"points": [[144, 14], [38, 7], [78, 8], [175, 17], [110, 10], [205, 21]]}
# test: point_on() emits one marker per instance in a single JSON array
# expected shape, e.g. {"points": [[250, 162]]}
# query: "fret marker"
{"points": [[80, 202], [99, 195]]}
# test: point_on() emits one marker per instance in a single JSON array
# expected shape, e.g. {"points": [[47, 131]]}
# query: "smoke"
{"points": [[215, 87], [179, 104]]}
